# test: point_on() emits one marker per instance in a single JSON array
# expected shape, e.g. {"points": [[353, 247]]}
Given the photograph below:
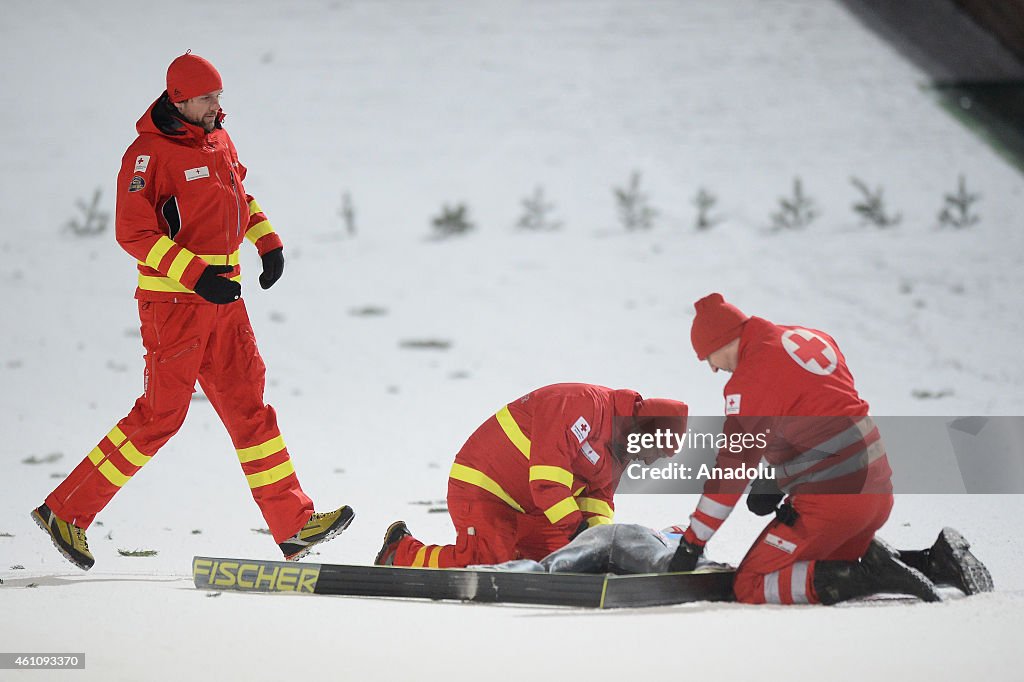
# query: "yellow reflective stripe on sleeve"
{"points": [[576, 493], [157, 253], [178, 265], [595, 506], [271, 447], [96, 455], [482, 480], [418, 561], [254, 207], [597, 521], [434, 553], [282, 470], [512, 430], [542, 472], [560, 510], [150, 283], [260, 229]]}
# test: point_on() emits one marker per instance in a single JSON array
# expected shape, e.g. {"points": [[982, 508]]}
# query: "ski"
{"points": [[598, 591]]}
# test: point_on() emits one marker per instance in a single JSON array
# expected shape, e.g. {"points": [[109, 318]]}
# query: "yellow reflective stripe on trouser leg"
{"points": [[273, 475], [482, 480], [420, 555], [434, 555], [107, 468], [560, 510], [270, 447], [598, 521], [127, 448], [543, 472], [512, 430]]}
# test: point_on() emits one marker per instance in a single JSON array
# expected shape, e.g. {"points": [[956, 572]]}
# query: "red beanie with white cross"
{"points": [[716, 324]]}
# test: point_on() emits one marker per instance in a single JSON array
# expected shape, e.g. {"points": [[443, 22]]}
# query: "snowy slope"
{"points": [[407, 106]]}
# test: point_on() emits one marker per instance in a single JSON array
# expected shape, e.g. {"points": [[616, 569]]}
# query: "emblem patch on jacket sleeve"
{"points": [[581, 429], [136, 184], [732, 403], [141, 163], [589, 452], [196, 173]]}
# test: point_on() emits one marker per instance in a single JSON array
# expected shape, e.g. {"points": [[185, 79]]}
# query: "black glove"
{"points": [[685, 558], [786, 514], [217, 289], [579, 529], [764, 496], [273, 267]]}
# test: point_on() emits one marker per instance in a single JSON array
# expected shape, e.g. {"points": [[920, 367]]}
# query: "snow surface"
{"points": [[408, 105]]}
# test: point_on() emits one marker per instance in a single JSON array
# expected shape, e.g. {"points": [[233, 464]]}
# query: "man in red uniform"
{"points": [[793, 383], [182, 213], [540, 471]]}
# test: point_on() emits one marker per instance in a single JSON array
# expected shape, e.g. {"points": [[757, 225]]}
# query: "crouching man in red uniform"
{"points": [[536, 474], [182, 213], [792, 384]]}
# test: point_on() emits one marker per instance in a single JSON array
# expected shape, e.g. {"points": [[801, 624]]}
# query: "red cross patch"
{"points": [[810, 351]]}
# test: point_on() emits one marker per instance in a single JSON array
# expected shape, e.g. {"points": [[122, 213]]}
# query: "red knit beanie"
{"points": [[661, 414], [716, 324], [670, 414], [190, 76]]}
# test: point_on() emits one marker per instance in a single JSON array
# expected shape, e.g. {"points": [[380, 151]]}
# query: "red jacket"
{"points": [[181, 205], [549, 453], [792, 384]]}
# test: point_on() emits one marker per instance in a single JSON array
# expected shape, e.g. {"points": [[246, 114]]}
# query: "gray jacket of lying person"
{"points": [[620, 548]]}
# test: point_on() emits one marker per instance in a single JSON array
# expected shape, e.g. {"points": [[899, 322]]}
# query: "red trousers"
{"points": [[186, 342], [488, 531], [779, 567]]}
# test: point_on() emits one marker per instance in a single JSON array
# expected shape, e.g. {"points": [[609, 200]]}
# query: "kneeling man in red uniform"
{"points": [[537, 473], [792, 384]]}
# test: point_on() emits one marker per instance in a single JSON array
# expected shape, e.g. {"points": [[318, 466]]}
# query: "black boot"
{"points": [[877, 571], [950, 562]]}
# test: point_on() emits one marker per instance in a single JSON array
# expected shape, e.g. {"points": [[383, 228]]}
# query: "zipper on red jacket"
{"points": [[238, 211]]}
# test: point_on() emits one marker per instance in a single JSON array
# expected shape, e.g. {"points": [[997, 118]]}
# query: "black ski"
{"points": [[487, 586]]}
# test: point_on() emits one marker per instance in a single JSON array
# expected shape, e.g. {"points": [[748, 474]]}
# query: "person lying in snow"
{"points": [[628, 549]]}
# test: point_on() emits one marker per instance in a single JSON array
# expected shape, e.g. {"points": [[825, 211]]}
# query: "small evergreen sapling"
{"points": [[956, 212], [537, 213], [452, 220], [92, 221], [871, 207], [704, 201], [347, 212], [795, 212], [635, 213]]}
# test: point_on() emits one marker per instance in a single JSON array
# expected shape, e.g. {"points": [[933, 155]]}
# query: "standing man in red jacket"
{"points": [[536, 474], [793, 383], [182, 213]]}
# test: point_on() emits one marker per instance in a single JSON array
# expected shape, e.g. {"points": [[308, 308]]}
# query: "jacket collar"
{"points": [[162, 118]]}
